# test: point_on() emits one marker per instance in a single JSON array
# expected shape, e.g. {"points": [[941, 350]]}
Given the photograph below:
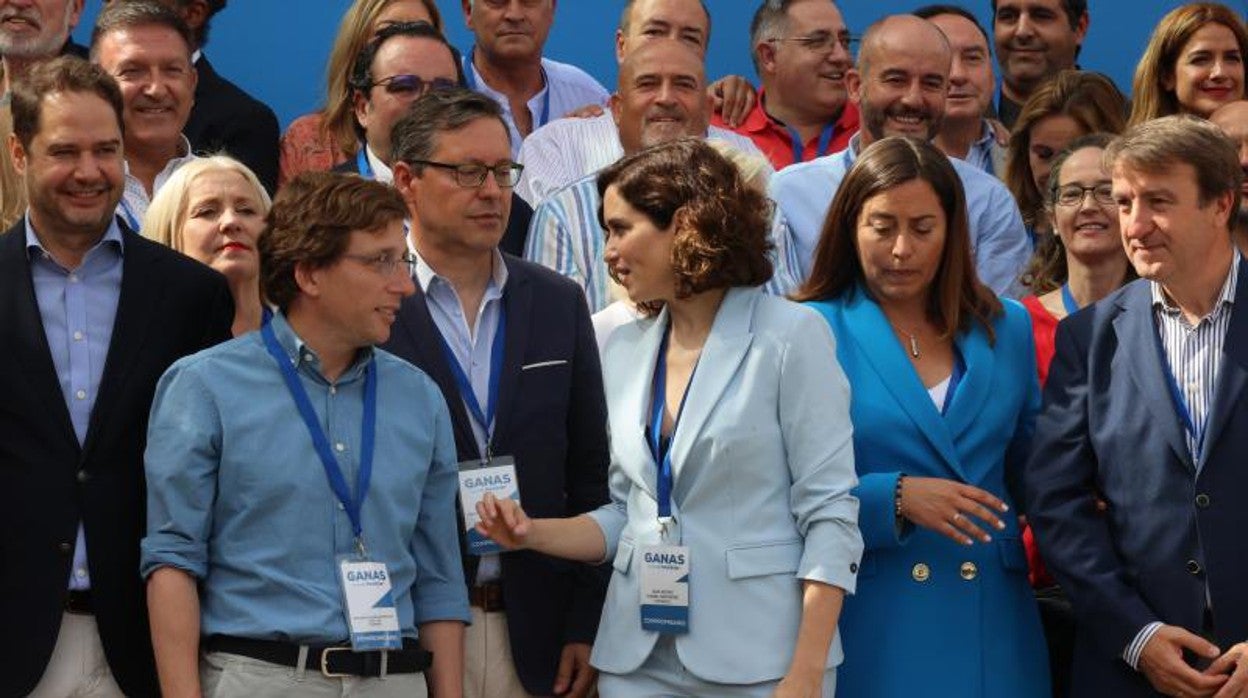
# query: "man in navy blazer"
{"points": [[541, 401], [1145, 409]]}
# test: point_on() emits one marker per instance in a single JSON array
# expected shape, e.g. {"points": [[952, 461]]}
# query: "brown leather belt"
{"points": [[488, 597], [79, 603]]}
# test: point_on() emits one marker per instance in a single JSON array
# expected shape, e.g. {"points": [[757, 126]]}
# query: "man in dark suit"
{"points": [[383, 88], [512, 348], [91, 315], [1145, 408], [224, 117]]}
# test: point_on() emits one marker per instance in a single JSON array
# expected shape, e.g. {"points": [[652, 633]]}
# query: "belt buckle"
{"points": [[325, 662]]}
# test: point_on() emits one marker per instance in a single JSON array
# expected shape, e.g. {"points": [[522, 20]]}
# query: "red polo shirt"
{"points": [[776, 141]]}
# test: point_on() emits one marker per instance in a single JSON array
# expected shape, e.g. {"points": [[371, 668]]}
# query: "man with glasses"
{"points": [[801, 53], [512, 348], [403, 62], [305, 481]]}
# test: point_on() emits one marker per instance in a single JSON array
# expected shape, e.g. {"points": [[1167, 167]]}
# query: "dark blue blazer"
{"points": [[226, 119], [552, 417], [1175, 524]]}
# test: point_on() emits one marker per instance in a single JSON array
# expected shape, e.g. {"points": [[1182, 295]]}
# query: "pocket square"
{"points": [[544, 364]]}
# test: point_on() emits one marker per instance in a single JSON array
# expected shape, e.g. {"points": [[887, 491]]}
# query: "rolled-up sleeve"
{"points": [[181, 462], [818, 438], [439, 592]]}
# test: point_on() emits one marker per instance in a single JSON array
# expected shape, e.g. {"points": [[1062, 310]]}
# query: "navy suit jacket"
{"points": [[225, 118], [169, 306], [552, 418], [1175, 524]]}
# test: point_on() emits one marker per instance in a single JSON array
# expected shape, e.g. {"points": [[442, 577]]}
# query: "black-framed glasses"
{"points": [[823, 42], [472, 175], [413, 85], [1072, 194], [385, 264]]}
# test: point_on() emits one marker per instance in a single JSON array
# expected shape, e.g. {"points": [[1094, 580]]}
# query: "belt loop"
{"points": [[301, 664], [385, 663]]}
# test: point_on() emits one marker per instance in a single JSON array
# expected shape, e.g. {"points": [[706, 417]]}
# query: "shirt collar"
{"points": [[184, 153], [986, 137], [381, 171], [1226, 298], [35, 249], [196, 56], [425, 275], [300, 353], [759, 120]]}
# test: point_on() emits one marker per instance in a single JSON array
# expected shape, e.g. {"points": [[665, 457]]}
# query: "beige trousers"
{"points": [[223, 675], [489, 671], [77, 668]]}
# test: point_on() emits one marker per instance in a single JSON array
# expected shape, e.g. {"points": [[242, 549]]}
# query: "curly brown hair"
{"points": [[720, 223], [311, 223]]}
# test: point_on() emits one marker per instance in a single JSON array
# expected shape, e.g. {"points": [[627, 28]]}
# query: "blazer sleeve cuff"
{"points": [[610, 518], [877, 518], [832, 554]]}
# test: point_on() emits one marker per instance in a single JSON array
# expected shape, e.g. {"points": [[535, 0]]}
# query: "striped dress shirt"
{"points": [[1194, 359]]}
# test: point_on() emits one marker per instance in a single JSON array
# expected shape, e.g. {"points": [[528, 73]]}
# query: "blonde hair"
{"points": [[12, 188], [355, 30], [1149, 99], [167, 212]]}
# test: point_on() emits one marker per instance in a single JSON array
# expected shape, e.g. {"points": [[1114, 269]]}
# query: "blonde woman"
{"points": [[212, 210]]}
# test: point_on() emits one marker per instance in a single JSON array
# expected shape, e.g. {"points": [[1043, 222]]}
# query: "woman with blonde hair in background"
{"points": [[1194, 63], [316, 142], [1074, 103], [212, 210]]}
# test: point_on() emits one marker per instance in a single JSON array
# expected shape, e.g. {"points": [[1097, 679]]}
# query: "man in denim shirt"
{"points": [[259, 457]]}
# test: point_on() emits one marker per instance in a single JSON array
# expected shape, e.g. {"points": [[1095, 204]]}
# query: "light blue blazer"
{"points": [[932, 617], [763, 468]]}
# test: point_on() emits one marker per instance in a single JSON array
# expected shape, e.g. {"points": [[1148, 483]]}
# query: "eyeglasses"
{"points": [[822, 42], [413, 85], [1073, 194], [472, 175], [386, 265]]}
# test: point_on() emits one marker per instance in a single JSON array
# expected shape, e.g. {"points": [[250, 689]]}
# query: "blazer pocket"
{"points": [[1013, 556], [762, 559], [623, 556], [544, 364]]}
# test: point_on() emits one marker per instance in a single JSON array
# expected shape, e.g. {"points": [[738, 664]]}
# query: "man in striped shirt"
{"points": [[1144, 409]]}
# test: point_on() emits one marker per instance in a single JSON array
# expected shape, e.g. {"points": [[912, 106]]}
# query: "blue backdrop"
{"points": [[276, 49]]}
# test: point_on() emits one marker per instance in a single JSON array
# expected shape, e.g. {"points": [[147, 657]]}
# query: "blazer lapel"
{"points": [[518, 304], [630, 412], [1138, 349], [136, 309], [1233, 374], [876, 341], [722, 354], [973, 390], [415, 321], [31, 352]]}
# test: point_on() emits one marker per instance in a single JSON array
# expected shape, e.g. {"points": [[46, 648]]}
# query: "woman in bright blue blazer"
{"points": [[944, 395]]}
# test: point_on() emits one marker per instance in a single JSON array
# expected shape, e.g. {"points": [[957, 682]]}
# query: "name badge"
{"points": [[371, 615], [496, 476], [665, 589]]}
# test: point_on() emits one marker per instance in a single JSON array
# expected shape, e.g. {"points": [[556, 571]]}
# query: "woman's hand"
{"points": [[503, 521], [951, 508]]}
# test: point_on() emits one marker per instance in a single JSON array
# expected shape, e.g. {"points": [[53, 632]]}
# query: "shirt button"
{"points": [[78, 336], [73, 278], [81, 395], [333, 390], [341, 507], [80, 573], [83, 476], [340, 447]]}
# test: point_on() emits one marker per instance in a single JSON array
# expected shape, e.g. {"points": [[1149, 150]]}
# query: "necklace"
{"points": [[910, 336]]}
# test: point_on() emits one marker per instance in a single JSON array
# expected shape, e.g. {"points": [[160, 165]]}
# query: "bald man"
{"points": [[1232, 118], [916, 59]]}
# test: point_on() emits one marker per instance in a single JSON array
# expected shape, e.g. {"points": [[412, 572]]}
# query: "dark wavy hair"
{"points": [[720, 223], [958, 297]]}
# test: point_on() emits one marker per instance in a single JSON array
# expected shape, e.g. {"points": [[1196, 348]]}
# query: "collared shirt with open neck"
{"points": [[135, 199], [775, 139]]}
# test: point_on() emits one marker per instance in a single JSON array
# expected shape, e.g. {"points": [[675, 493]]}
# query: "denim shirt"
{"points": [[238, 498]]}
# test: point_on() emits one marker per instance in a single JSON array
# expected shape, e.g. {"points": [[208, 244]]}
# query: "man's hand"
{"points": [[732, 98], [575, 676], [1235, 663], [588, 111], [1161, 661]]}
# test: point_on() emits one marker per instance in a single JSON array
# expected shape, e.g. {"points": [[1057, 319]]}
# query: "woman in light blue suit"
{"points": [[731, 446], [944, 397]]}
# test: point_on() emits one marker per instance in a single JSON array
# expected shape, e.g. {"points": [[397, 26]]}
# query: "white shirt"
{"points": [[135, 199]]}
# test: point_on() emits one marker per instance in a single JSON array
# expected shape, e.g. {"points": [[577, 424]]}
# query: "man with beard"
{"points": [[94, 314], [1035, 40], [147, 48], [1232, 118], [661, 97], [900, 86]]}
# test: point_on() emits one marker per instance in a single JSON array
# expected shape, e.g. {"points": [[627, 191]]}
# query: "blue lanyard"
{"points": [[483, 418], [470, 77], [337, 481], [1068, 300], [825, 140], [1180, 403], [663, 452], [959, 370], [362, 164], [129, 216]]}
